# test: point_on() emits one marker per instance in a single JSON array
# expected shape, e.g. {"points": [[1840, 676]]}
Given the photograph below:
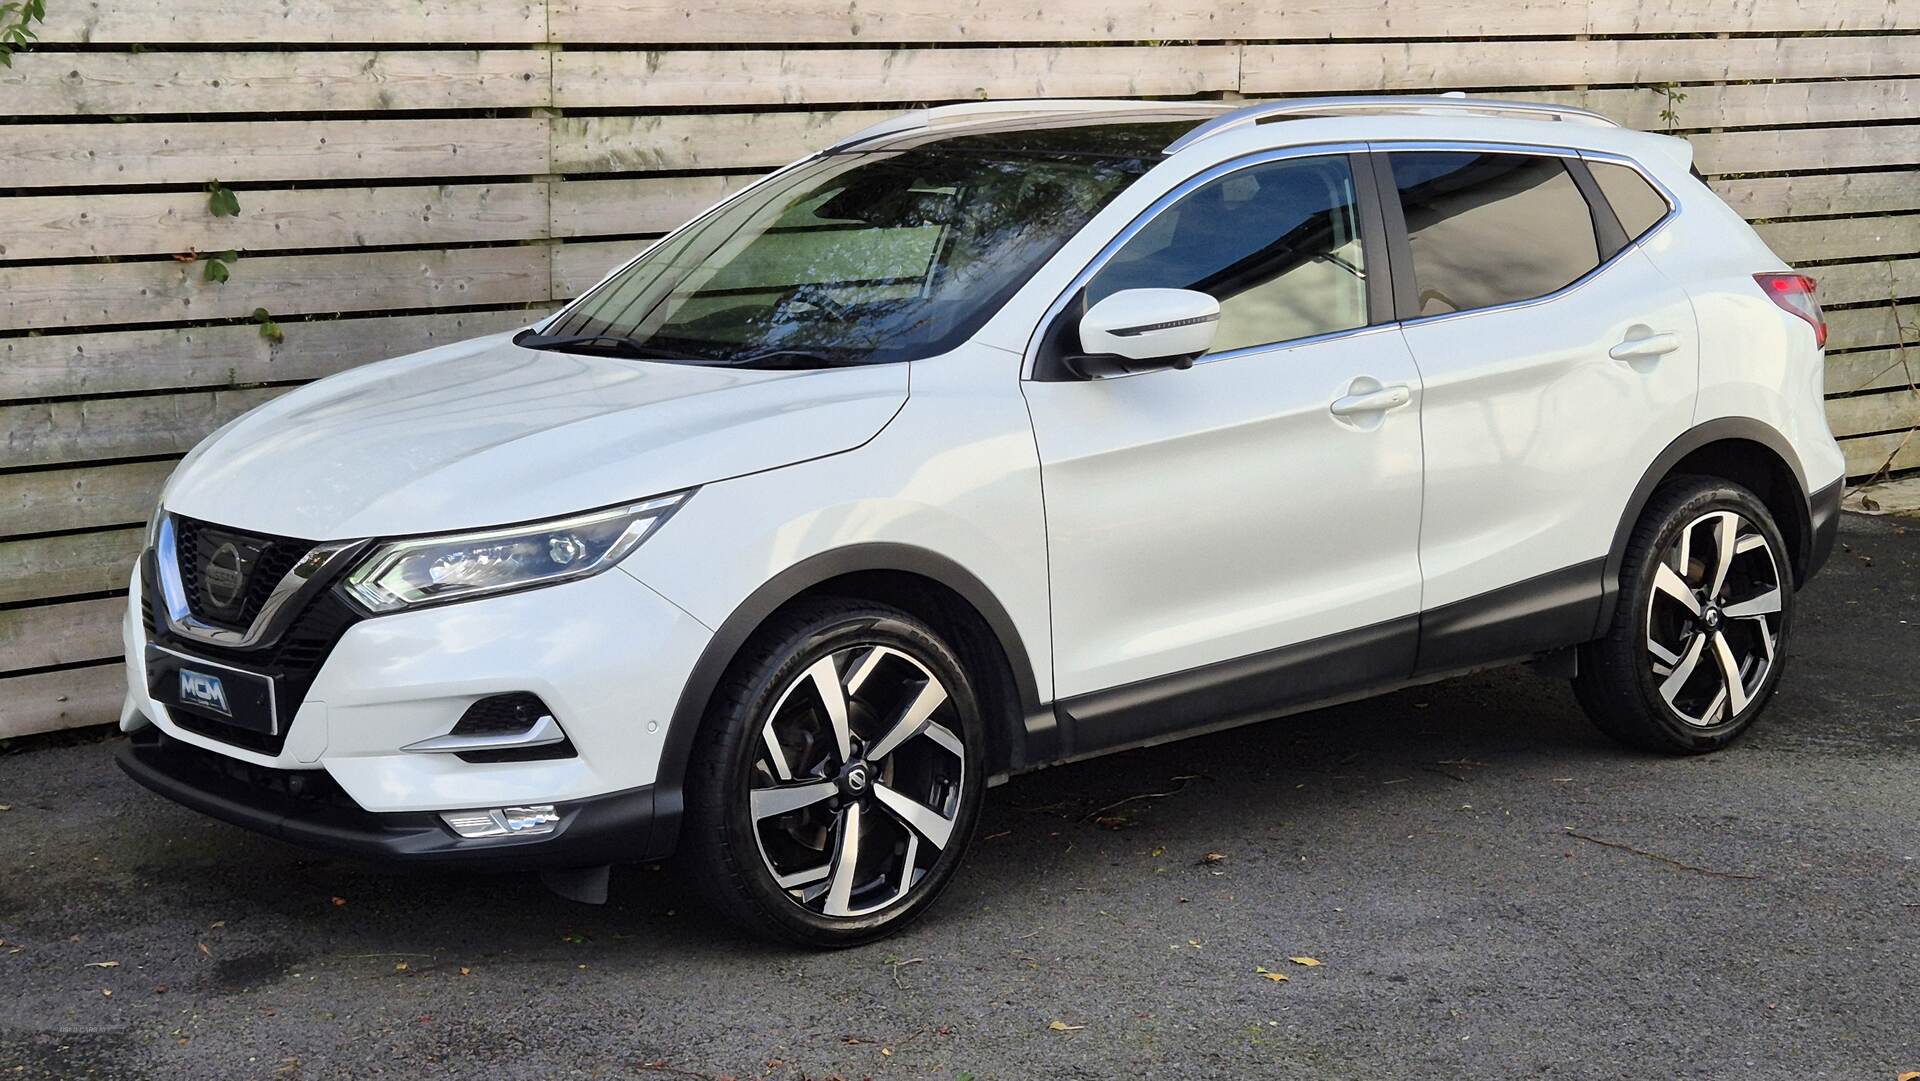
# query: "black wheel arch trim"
{"points": [[1713, 431], [749, 614]]}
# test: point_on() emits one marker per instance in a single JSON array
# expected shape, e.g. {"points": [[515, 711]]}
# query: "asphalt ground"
{"points": [[1492, 891]]}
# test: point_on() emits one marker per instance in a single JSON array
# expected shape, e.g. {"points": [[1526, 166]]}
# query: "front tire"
{"points": [[1697, 642], [838, 776]]}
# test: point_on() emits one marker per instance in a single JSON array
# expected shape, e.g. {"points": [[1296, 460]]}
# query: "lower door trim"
{"points": [[1245, 688]]}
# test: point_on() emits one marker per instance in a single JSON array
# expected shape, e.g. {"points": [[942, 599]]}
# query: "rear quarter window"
{"points": [[1638, 204]]}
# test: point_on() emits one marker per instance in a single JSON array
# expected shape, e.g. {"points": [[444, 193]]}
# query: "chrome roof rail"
{"points": [[1387, 105], [974, 111]]}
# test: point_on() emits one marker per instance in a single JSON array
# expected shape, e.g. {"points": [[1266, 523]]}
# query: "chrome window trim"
{"points": [[1673, 204], [307, 574], [1155, 209], [1459, 145], [273, 690]]}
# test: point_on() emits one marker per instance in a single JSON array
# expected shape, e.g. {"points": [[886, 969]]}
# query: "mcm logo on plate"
{"points": [[205, 691]]}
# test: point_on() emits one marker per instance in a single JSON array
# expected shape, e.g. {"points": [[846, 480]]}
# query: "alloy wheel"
{"points": [[857, 781], [1714, 618]]}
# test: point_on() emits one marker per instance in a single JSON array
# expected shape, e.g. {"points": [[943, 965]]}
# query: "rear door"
{"points": [[1556, 362]]}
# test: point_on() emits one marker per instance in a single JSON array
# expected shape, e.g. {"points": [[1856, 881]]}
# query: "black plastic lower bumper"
{"points": [[1824, 508], [306, 807]]}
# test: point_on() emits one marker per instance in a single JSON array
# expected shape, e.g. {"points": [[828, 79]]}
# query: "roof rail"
{"points": [[1438, 105], [943, 115]]}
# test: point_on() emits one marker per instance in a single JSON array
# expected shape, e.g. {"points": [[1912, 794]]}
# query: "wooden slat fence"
{"points": [[413, 173]]}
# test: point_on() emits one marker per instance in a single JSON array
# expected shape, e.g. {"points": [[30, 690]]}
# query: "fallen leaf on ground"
{"points": [[1062, 1026], [339, 902], [103, 964], [1213, 857], [203, 948], [465, 971], [1276, 977], [6, 806], [403, 967], [1307, 961]]}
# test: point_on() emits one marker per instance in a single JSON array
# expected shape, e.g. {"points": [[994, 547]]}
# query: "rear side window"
{"points": [[1637, 204], [1488, 229], [1277, 244]]}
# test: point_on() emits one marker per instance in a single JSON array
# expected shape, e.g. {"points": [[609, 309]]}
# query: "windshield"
{"points": [[848, 259]]}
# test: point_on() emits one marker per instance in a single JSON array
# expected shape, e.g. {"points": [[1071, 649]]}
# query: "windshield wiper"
{"points": [[792, 358], [623, 345]]}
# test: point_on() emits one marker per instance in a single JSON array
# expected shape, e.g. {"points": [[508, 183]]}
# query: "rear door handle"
{"points": [[1652, 345], [1373, 401]]}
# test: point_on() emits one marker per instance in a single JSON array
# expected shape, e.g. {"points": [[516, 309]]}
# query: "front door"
{"points": [[1226, 539]]}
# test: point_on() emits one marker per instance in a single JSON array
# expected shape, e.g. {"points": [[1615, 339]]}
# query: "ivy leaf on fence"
{"points": [[221, 201], [217, 270], [269, 329]]}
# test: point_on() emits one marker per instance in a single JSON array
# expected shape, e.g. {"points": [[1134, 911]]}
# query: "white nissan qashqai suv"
{"points": [[992, 437]]}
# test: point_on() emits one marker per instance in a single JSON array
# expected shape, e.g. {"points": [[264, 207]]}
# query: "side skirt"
{"points": [[1511, 624]]}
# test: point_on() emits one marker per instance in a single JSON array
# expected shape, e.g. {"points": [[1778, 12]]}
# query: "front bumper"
{"points": [[306, 808], [606, 654]]}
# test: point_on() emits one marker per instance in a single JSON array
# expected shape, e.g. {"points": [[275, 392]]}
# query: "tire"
{"points": [[899, 783], [1697, 643]]}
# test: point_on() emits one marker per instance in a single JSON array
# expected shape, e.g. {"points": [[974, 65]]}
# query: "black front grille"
{"points": [[227, 573], [292, 660]]}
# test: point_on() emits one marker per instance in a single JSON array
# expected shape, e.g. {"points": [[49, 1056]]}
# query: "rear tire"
{"points": [[1698, 637], [836, 781]]}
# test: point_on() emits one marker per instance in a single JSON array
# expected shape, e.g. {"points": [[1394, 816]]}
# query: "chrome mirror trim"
{"points": [[310, 572]]}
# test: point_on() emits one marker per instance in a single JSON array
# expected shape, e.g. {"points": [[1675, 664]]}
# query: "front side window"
{"points": [[852, 258], [1488, 229], [1277, 244]]}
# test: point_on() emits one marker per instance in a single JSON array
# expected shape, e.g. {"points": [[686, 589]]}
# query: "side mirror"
{"points": [[1142, 329]]}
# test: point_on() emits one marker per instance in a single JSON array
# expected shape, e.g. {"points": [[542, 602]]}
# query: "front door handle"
{"points": [[1372, 401], [1645, 347]]}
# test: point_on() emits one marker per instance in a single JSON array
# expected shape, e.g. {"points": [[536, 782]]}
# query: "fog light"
{"points": [[503, 821]]}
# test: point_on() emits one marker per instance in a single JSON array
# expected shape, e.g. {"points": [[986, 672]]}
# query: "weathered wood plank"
{"points": [[1748, 104], [656, 78], [85, 498], [577, 266], [51, 701], [68, 565], [1821, 193], [60, 634], [1861, 328], [148, 22], [71, 226], [1881, 280], [1871, 455], [662, 21], [1871, 414], [1806, 149], [64, 155], [118, 361], [600, 207], [1425, 66], [596, 144], [1873, 369], [117, 83], [90, 294], [1843, 238], [50, 433]]}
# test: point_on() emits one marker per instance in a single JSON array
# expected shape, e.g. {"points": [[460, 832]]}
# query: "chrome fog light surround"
{"points": [[503, 821]]}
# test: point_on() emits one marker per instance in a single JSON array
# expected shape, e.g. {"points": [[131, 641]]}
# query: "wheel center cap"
{"points": [[1711, 617], [855, 779]]}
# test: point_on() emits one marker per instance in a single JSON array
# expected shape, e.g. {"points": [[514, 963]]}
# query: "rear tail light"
{"points": [[1794, 294]]}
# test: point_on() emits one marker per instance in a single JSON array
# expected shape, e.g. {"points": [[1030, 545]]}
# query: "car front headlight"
{"points": [[400, 574]]}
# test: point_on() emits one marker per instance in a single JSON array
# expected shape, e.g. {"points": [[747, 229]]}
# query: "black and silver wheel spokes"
{"points": [[1713, 621], [857, 782]]}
